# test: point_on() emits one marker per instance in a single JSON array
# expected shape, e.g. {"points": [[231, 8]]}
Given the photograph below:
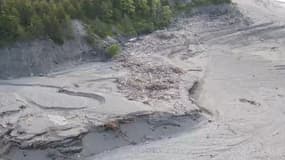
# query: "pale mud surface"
{"points": [[226, 65], [244, 88], [151, 85]]}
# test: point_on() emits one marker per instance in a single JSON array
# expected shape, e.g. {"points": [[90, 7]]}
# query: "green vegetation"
{"points": [[30, 19], [37, 19], [113, 50], [208, 2]]}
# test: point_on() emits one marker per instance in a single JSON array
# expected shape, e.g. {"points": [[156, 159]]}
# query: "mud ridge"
{"points": [[54, 107], [61, 90], [102, 79], [30, 85], [97, 97]]}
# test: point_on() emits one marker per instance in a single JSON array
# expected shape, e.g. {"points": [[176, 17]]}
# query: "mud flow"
{"points": [[131, 130], [224, 63]]}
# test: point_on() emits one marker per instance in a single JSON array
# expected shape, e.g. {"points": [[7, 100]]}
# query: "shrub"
{"points": [[113, 50], [143, 26]]}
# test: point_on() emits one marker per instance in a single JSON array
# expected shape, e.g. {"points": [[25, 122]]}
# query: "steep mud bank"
{"points": [[131, 130], [43, 56]]}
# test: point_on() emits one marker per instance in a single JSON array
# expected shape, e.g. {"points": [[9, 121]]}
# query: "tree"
{"points": [[9, 28], [37, 27], [60, 14], [155, 8], [2, 4], [69, 8], [128, 27], [53, 28], [107, 10], [128, 6], [142, 7], [25, 11], [166, 15]]}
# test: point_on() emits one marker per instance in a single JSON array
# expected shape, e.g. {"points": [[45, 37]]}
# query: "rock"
{"points": [[243, 100], [113, 126], [164, 35]]}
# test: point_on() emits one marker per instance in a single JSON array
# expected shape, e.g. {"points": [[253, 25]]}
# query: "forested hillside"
{"points": [[29, 19], [32, 19]]}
